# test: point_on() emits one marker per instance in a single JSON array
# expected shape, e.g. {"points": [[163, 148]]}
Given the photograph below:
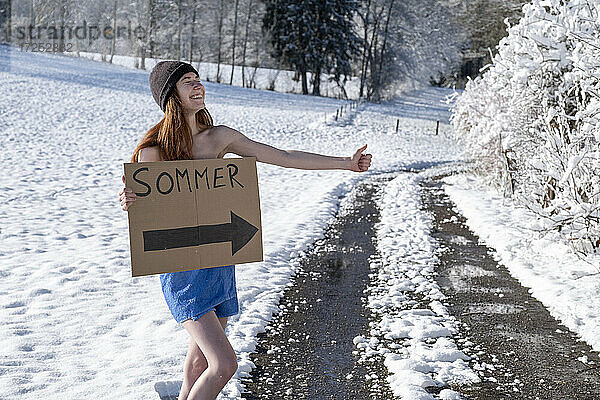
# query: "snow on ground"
{"points": [[416, 341], [263, 78], [567, 285], [74, 324]]}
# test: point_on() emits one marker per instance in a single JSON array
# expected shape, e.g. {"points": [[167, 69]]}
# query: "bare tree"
{"points": [[220, 19], [244, 47], [179, 23], [114, 32], [366, 22], [6, 19], [235, 18], [379, 68], [406, 41], [152, 12], [192, 28], [482, 22]]}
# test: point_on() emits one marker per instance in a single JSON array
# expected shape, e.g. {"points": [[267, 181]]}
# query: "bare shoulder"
{"points": [[149, 154], [226, 133], [225, 136]]}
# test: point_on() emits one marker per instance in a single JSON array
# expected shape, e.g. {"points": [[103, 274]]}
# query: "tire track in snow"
{"points": [[412, 329]]}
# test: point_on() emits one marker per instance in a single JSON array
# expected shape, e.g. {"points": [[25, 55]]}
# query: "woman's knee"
{"points": [[225, 368], [197, 363], [195, 360]]}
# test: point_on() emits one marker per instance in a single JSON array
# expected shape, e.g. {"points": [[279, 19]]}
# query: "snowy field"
{"points": [[74, 323]]}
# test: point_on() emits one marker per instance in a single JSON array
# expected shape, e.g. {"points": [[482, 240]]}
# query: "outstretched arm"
{"points": [[242, 146]]}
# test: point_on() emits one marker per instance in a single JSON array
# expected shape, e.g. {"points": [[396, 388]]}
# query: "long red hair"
{"points": [[172, 135]]}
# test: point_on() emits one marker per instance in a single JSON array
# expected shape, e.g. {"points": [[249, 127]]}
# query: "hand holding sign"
{"points": [[361, 162], [126, 196]]}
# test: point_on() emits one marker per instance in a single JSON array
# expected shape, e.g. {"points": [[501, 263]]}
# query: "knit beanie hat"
{"points": [[163, 78]]}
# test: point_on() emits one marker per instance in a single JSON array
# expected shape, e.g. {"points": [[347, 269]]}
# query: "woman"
{"points": [[203, 299]]}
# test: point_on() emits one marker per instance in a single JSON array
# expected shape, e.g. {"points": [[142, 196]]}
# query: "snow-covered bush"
{"points": [[531, 122]]}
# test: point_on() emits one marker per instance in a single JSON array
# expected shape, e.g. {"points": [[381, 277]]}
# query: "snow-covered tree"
{"points": [[532, 121]]}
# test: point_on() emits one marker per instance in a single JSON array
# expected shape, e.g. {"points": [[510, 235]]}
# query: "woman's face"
{"points": [[191, 92]]}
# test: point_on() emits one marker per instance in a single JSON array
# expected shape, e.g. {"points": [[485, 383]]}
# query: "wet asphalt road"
{"points": [[522, 351], [307, 351]]}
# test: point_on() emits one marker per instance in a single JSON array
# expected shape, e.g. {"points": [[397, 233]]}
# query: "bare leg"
{"points": [[194, 365], [209, 335]]}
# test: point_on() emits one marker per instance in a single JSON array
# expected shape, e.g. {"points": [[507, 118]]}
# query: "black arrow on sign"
{"points": [[238, 232]]}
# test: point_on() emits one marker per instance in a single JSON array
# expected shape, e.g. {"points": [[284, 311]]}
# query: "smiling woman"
{"points": [[190, 88], [203, 299], [172, 84]]}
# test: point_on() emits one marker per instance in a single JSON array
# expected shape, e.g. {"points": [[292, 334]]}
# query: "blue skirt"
{"points": [[191, 294]]}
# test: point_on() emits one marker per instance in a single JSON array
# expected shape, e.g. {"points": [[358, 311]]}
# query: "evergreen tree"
{"points": [[287, 23], [334, 42], [312, 36]]}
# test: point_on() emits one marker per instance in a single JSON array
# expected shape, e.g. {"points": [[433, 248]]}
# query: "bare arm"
{"points": [[242, 146]]}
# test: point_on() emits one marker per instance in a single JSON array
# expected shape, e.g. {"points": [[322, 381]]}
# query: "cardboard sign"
{"points": [[193, 214]]}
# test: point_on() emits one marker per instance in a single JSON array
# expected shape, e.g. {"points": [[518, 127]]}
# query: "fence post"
{"points": [[336, 114], [397, 124], [437, 128]]}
